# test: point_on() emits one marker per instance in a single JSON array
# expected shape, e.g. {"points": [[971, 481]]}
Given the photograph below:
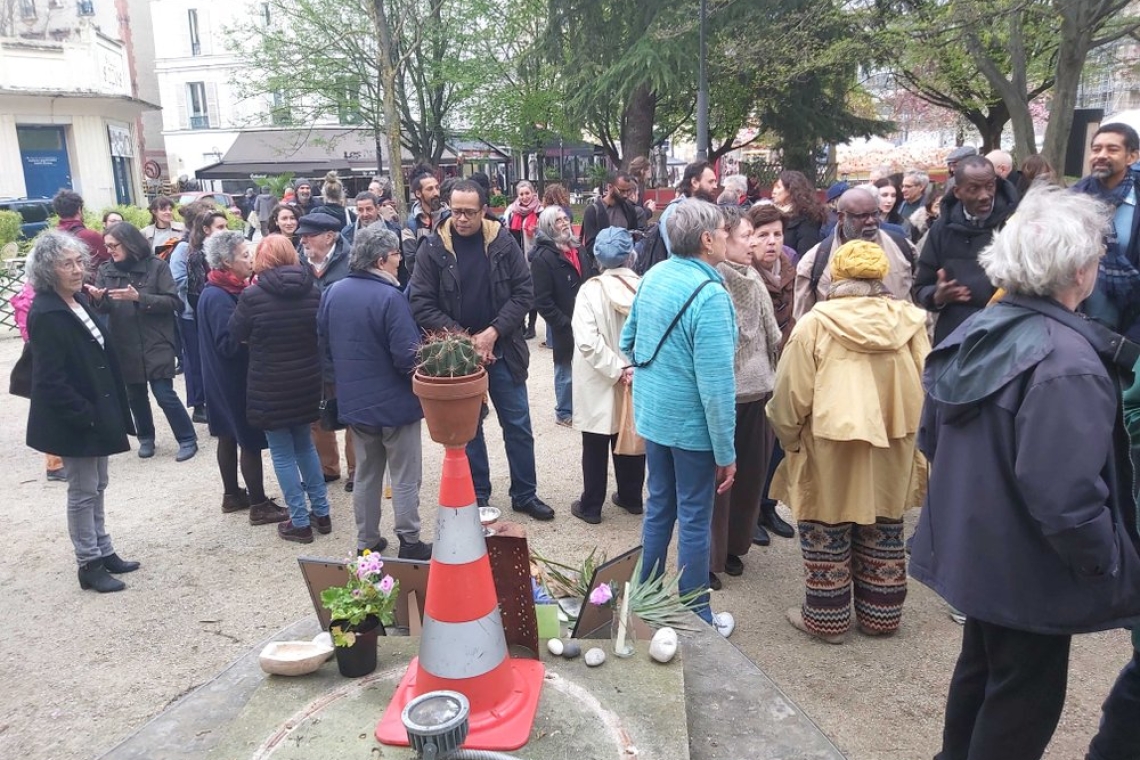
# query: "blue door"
{"points": [[43, 151]]}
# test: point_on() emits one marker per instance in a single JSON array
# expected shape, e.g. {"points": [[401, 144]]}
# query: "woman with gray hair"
{"points": [[79, 407], [600, 373], [368, 342], [680, 337], [558, 272], [225, 366], [1029, 526]]}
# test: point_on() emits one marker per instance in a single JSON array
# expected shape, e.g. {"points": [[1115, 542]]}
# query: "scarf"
{"points": [[758, 335], [519, 213], [227, 281], [571, 255], [1118, 277], [387, 277]]}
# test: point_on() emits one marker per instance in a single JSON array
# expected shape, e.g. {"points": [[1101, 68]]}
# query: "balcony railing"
{"points": [[200, 121]]}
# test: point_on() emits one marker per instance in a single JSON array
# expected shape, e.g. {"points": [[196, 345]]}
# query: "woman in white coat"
{"points": [[600, 371]]}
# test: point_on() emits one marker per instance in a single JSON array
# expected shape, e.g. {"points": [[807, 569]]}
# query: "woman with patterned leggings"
{"points": [[846, 409]]}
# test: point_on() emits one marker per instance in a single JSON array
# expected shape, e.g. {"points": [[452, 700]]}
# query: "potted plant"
{"points": [[360, 609], [450, 382]]}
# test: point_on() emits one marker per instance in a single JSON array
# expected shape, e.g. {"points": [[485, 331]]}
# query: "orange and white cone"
{"points": [[463, 647]]}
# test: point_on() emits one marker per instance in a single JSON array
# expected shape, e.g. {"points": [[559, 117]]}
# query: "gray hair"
{"points": [[372, 245], [737, 183], [221, 247], [523, 183], [548, 219], [49, 249], [688, 222], [918, 176], [1053, 235]]}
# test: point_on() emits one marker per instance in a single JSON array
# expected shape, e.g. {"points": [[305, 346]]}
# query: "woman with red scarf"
{"points": [[225, 364], [558, 272], [522, 222]]}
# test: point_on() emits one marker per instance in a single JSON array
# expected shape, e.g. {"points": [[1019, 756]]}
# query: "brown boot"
{"points": [[267, 512], [235, 502]]}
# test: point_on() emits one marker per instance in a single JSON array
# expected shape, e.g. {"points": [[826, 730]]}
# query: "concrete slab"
{"points": [[715, 704]]}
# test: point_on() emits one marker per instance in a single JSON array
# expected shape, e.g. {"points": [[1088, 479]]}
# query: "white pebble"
{"points": [[663, 647], [554, 646], [595, 657]]}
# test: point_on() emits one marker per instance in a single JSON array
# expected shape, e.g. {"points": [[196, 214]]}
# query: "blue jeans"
{"points": [[1119, 734], [513, 409], [191, 362], [170, 404], [298, 471], [563, 392], [681, 487]]}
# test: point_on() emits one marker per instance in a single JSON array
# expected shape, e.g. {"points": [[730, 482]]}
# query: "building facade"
{"points": [[69, 113]]}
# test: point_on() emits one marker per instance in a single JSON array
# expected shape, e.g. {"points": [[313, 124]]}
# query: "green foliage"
{"points": [[498, 200], [277, 183], [10, 222], [368, 591], [139, 217], [447, 353], [597, 174]]}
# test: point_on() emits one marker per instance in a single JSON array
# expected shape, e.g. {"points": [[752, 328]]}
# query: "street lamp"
{"points": [[703, 92]]}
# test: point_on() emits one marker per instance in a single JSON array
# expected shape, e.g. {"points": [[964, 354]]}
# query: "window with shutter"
{"points": [[196, 105], [183, 116], [206, 32], [213, 113], [195, 34]]}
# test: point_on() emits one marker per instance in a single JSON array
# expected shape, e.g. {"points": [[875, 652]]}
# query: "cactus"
{"points": [[447, 353]]}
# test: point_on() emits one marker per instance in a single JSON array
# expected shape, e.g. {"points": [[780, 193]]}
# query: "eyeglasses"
{"points": [[466, 213], [113, 246]]}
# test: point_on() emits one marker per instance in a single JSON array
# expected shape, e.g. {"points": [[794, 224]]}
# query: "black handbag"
{"points": [[329, 413], [20, 383]]}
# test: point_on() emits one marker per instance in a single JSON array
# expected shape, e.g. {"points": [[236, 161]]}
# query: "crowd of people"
{"points": [[853, 353]]}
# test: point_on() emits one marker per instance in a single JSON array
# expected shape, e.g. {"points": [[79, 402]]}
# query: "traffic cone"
{"points": [[463, 647]]}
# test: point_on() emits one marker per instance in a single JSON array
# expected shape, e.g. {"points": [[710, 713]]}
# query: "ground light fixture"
{"points": [[436, 723]]}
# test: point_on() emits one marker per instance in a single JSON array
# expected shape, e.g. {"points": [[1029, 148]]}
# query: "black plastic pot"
{"points": [[360, 658]]}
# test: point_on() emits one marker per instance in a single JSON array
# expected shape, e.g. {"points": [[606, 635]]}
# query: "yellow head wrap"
{"points": [[859, 260]]}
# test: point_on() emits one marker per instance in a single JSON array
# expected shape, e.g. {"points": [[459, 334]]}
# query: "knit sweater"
{"points": [[758, 334], [687, 397]]}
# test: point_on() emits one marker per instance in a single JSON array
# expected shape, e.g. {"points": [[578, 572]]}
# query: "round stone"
{"points": [[595, 657], [555, 646], [571, 649], [663, 647]]}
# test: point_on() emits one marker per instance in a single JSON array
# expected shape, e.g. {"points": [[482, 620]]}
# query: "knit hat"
{"points": [[302, 183], [612, 247], [859, 260], [837, 189]]}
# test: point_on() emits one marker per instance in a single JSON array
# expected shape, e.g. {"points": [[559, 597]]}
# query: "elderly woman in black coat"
{"points": [[1029, 527], [78, 402], [277, 317], [558, 271], [225, 365], [138, 292]]}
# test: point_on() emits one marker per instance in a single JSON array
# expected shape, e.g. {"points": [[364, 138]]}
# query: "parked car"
{"points": [[225, 200], [34, 211]]}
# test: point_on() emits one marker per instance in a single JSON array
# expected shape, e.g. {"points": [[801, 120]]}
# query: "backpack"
{"points": [[196, 271], [820, 263], [651, 250]]}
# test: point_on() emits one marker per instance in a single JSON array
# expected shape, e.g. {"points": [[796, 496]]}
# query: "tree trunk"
{"points": [[990, 125], [1013, 90], [1075, 40], [392, 127], [637, 124]]}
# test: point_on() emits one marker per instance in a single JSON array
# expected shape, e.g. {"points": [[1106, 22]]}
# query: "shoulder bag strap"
{"points": [[672, 324]]}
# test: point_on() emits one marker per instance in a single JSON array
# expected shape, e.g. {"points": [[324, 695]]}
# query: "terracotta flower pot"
{"points": [[451, 406]]}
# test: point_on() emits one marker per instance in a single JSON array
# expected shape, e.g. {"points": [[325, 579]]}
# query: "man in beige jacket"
{"points": [[858, 219]]}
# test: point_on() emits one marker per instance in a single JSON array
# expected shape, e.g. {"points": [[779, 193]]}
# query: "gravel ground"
{"points": [[81, 671]]}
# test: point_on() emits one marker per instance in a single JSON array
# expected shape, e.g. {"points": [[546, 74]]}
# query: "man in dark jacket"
{"points": [[325, 252], [305, 202], [614, 209], [1116, 300], [472, 276], [949, 280], [424, 218], [1029, 525], [68, 205], [368, 344]]}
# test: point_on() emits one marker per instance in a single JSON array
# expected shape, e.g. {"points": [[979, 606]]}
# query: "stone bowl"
{"points": [[293, 658]]}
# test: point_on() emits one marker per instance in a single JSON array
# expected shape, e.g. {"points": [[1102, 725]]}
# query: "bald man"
{"points": [[1003, 165]]}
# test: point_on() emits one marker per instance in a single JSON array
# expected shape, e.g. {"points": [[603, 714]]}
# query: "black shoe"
{"points": [[199, 415], [146, 448], [116, 564], [734, 565], [332, 478], [774, 523], [290, 532], [528, 333], [377, 549], [714, 582], [536, 508], [482, 501], [633, 509], [94, 575], [349, 485], [419, 550], [760, 536], [322, 524], [576, 510]]}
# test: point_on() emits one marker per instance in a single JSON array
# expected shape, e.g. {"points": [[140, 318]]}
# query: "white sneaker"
{"points": [[724, 623], [956, 616]]}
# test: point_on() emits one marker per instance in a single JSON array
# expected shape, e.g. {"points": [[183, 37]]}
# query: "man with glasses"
{"points": [[472, 276], [950, 282], [858, 219], [616, 208]]}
